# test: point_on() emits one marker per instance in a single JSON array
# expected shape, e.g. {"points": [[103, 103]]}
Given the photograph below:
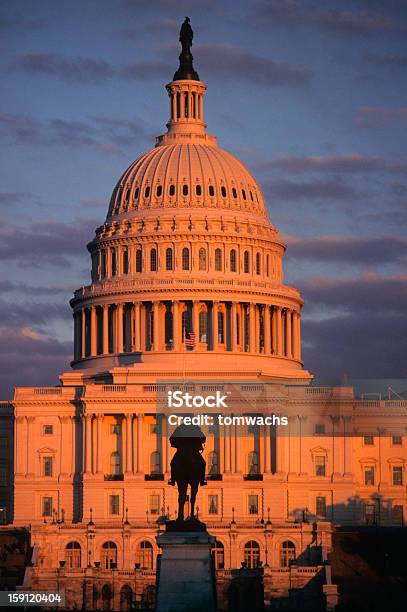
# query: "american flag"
{"points": [[190, 339]]}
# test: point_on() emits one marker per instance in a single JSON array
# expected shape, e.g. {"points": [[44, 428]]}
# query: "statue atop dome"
{"points": [[186, 35], [186, 70]]}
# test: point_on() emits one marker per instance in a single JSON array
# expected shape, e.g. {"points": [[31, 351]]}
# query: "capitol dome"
{"points": [[187, 270]]}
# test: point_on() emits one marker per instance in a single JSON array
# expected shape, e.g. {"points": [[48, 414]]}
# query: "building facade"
{"points": [[188, 293]]}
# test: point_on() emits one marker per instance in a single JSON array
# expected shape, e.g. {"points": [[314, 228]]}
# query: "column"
{"points": [[274, 330], [279, 329], [99, 434], [88, 444], [83, 350], [267, 449], [195, 321], [93, 331], [30, 438], [237, 449], [299, 336], [226, 442], [266, 322], [77, 335], [74, 444], [347, 450], [288, 349], [129, 443], [64, 444], [119, 328], [215, 334], [252, 328], [156, 324], [106, 329], [233, 328], [140, 444], [137, 327], [182, 106], [174, 107], [176, 323], [20, 442]]}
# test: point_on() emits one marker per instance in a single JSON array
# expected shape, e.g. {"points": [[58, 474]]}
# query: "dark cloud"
{"points": [[10, 198], [388, 61], [33, 313], [231, 62], [84, 69], [103, 134], [351, 162], [324, 16], [330, 189], [30, 359], [40, 290], [19, 22], [50, 242], [348, 249], [377, 117]]}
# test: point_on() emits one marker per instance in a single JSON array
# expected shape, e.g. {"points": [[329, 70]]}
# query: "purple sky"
{"points": [[311, 95]]}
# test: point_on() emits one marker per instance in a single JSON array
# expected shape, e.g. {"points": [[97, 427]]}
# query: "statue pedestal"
{"points": [[185, 579]]}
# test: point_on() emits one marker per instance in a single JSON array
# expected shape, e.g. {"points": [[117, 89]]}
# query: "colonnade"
{"points": [[161, 325]]}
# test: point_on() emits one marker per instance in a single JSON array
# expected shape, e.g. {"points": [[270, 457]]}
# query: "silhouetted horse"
{"points": [[187, 465]]}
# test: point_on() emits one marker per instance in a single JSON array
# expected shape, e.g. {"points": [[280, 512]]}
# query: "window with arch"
{"points": [[234, 192], [115, 464], [144, 555], [203, 326], [139, 260], [211, 190], [218, 260], [153, 260], [246, 262], [202, 260], [137, 193], [198, 190], [109, 555], [155, 463], [223, 191], [184, 190], [213, 463], [169, 259], [218, 554], [125, 261], [126, 598], [253, 466], [233, 260], [106, 597], [251, 554], [287, 553], [113, 261], [159, 191], [147, 192], [172, 190], [185, 258], [251, 196], [73, 555], [258, 263], [244, 194], [221, 328]]}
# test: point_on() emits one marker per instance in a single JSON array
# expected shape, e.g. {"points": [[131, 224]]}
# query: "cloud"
{"points": [[330, 189], [377, 117], [348, 249], [30, 359], [50, 242], [27, 314], [85, 69], [103, 134], [228, 61], [11, 198], [296, 13], [388, 61], [350, 162]]}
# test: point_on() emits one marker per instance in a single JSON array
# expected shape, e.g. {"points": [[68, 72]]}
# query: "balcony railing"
{"points": [[154, 477], [253, 477], [114, 477]]}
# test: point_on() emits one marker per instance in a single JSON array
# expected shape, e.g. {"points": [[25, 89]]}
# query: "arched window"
{"points": [[153, 260], [125, 261], [253, 463], [234, 192], [185, 190], [198, 190], [144, 555], [109, 555], [252, 554], [213, 463], [223, 191], [155, 463], [211, 190], [218, 260], [221, 328], [287, 553], [159, 190], [246, 262], [185, 258], [106, 598], [73, 555], [233, 260], [113, 261], [136, 193], [218, 553], [147, 192], [169, 257], [202, 260], [126, 598], [139, 260], [172, 190], [203, 326], [258, 263], [115, 464], [251, 196], [244, 194]]}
